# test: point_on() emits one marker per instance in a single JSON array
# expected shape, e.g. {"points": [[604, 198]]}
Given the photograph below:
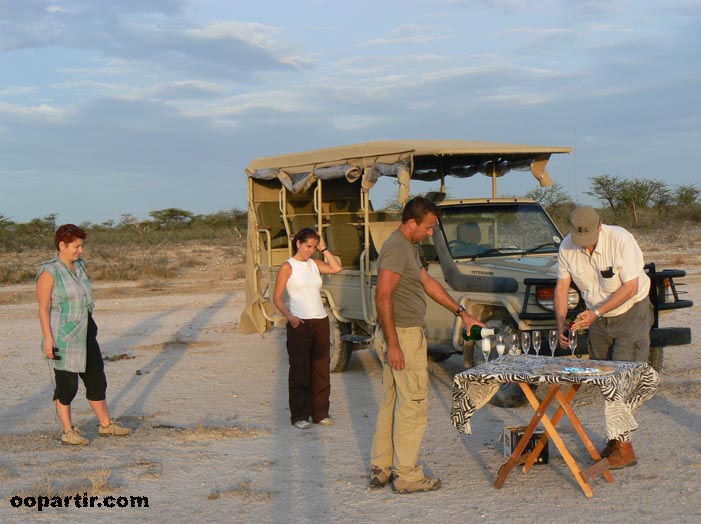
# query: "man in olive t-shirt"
{"points": [[400, 297]]}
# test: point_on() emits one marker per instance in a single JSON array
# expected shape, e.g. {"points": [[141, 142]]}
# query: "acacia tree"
{"points": [[40, 227], [687, 194], [552, 198], [608, 189], [171, 216], [638, 193], [662, 198]]}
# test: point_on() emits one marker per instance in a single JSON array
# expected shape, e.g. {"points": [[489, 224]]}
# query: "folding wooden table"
{"points": [[634, 382]]}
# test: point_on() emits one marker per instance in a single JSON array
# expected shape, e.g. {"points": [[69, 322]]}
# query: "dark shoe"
{"points": [[425, 484], [379, 477], [622, 455], [610, 445]]}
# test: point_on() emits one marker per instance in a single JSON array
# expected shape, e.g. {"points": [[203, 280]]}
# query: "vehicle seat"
{"points": [[269, 218], [469, 233], [343, 240]]}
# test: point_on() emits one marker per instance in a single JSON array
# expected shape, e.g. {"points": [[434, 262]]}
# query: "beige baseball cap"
{"points": [[584, 222]]}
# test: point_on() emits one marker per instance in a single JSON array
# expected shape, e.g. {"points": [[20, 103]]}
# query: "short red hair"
{"points": [[67, 233]]}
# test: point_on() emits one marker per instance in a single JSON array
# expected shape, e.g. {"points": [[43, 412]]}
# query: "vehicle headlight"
{"points": [[545, 296]]}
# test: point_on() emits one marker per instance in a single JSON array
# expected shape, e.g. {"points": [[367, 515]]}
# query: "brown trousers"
{"points": [[309, 385]]}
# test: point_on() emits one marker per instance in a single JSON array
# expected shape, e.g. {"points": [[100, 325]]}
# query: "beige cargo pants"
{"points": [[403, 414]]}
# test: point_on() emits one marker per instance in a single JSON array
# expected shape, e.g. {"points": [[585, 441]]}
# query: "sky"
{"points": [[114, 107]]}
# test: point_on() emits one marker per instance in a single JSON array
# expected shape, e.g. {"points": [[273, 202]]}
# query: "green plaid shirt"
{"points": [[71, 302]]}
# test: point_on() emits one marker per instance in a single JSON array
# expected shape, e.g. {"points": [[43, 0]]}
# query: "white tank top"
{"points": [[303, 288]]}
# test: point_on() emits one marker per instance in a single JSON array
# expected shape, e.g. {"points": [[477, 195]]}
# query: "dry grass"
{"points": [[244, 490], [147, 469], [138, 263], [6, 472], [203, 432]]}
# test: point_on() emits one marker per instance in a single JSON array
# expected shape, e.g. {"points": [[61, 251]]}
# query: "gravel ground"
{"points": [[212, 440]]}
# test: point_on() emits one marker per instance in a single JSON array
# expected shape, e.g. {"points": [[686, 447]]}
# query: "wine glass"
{"points": [[486, 348], [525, 341], [513, 343], [552, 340], [572, 339], [535, 336], [501, 344]]}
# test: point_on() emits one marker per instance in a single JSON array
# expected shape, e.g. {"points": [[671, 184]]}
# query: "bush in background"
{"points": [[130, 249]]}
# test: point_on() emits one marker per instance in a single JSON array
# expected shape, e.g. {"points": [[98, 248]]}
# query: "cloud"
{"points": [[18, 91], [356, 122], [30, 114], [407, 34], [160, 42], [188, 89]]}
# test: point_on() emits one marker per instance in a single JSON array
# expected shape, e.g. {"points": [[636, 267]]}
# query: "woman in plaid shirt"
{"points": [[69, 335]]}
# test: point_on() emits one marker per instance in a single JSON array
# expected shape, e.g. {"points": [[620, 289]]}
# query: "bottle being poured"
{"points": [[478, 332]]}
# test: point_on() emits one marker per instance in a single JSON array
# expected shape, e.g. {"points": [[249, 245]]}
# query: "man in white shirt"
{"points": [[606, 264]]}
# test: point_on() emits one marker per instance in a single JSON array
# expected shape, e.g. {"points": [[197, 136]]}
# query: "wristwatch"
{"points": [[597, 313], [460, 309]]}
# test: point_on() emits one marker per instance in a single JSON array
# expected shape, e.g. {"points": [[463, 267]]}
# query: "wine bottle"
{"points": [[478, 332]]}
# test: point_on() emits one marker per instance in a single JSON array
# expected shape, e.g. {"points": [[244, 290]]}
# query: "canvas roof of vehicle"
{"points": [[391, 151]]}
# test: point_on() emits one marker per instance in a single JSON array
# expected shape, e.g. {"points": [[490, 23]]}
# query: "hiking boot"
{"points": [[74, 437], [622, 455], [302, 424], [379, 477], [113, 430], [425, 484], [326, 422], [610, 445]]}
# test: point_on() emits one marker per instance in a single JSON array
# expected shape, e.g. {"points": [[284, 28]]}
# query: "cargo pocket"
{"points": [[417, 380]]}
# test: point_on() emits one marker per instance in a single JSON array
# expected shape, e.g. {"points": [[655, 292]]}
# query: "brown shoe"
{"points": [[425, 484], [622, 455], [379, 477], [606, 452]]}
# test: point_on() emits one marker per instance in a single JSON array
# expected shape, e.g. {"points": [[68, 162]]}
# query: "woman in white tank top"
{"points": [[308, 336]]}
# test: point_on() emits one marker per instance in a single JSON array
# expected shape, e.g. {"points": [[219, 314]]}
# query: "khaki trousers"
{"points": [[403, 415]]}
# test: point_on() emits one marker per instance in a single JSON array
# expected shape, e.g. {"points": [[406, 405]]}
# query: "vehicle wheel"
{"points": [[509, 395], [655, 358], [340, 349]]}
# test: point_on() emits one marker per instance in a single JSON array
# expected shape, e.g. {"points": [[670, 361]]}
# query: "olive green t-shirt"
{"points": [[408, 299]]}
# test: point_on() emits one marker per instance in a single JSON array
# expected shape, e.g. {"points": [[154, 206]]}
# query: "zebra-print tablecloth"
{"points": [[625, 384]]}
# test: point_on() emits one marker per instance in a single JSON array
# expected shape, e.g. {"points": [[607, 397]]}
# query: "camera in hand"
{"points": [[55, 352]]}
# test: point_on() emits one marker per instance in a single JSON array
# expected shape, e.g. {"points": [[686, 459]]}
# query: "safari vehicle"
{"points": [[496, 256]]}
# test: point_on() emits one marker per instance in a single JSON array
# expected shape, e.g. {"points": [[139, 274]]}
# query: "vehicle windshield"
{"points": [[498, 229]]}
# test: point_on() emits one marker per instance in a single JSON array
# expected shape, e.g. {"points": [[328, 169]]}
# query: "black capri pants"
{"points": [[93, 378]]}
